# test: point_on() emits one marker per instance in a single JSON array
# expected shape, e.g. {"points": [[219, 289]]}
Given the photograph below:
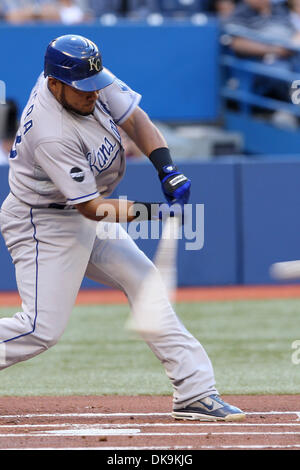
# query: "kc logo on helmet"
{"points": [[95, 64]]}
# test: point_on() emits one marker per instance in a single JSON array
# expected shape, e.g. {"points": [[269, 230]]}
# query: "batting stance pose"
{"points": [[66, 159]]}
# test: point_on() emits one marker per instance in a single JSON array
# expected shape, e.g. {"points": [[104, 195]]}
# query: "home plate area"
{"points": [[143, 422]]}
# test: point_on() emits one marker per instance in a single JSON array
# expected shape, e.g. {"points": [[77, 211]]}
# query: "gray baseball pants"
{"points": [[52, 250]]}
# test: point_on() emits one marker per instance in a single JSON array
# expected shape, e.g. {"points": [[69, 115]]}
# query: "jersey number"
{"points": [[27, 126]]}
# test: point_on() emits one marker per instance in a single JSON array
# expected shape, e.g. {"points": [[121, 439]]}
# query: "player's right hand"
{"points": [[175, 186]]}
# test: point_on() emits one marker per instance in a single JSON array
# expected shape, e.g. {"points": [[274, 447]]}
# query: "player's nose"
{"points": [[93, 95]]}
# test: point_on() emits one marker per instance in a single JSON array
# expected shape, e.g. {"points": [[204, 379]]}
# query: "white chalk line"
{"points": [[105, 415], [105, 448], [227, 447], [104, 432], [81, 415], [224, 447], [130, 429], [193, 424], [254, 446], [137, 432]]}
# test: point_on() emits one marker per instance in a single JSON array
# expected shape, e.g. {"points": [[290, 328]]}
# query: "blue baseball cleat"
{"points": [[210, 408]]}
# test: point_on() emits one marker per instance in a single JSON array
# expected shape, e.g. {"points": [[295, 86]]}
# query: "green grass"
{"points": [[249, 343]]}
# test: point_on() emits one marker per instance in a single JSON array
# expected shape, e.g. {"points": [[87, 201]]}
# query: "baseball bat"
{"points": [[285, 270], [166, 256], [146, 316]]}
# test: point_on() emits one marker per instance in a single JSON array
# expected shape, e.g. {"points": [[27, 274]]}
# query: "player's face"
{"points": [[81, 102]]}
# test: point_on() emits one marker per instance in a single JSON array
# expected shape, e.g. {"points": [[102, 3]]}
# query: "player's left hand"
{"points": [[170, 210], [175, 186]]}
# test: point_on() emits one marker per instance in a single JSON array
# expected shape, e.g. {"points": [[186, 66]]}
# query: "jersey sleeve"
{"points": [[68, 170], [119, 100]]}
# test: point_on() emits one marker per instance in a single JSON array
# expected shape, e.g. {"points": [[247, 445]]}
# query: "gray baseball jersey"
{"points": [[68, 158], [60, 157]]}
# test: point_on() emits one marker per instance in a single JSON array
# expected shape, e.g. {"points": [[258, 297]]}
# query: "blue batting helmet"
{"points": [[76, 61]]}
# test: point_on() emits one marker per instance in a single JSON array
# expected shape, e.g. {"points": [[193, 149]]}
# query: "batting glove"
{"points": [[157, 211], [175, 186]]}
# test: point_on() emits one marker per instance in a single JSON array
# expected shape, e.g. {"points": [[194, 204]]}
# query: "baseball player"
{"points": [[66, 160]]}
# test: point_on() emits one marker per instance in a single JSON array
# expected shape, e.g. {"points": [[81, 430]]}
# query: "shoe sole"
{"points": [[203, 417]]}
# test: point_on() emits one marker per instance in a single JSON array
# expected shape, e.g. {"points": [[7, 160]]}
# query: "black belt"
{"points": [[53, 205]]}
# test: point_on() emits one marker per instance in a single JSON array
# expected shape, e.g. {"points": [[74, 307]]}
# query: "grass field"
{"points": [[249, 343]]}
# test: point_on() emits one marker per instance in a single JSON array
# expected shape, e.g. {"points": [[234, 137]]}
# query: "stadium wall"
{"points": [[250, 205], [174, 66], [251, 219]]}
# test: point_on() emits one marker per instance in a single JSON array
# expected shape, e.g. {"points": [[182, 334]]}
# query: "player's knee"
{"points": [[51, 341], [38, 332], [48, 339], [44, 343]]}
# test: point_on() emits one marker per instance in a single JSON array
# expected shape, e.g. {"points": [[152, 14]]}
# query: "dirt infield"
{"points": [[114, 423], [143, 422], [185, 294]]}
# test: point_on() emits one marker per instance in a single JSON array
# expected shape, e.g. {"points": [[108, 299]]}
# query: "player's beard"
{"points": [[69, 107]]}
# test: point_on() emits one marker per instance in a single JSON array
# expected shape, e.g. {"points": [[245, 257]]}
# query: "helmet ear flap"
{"points": [[76, 61]]}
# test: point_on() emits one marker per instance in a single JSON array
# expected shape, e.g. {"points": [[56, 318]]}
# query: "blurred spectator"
{"points": [[262, 31], [104, 7], [224, 8], [294, 7], [9, 127], [5, 147], [170, 8], [23, 11], [64, 11], [182, 7], [139, 9], [269, 21], [69, 12]]}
